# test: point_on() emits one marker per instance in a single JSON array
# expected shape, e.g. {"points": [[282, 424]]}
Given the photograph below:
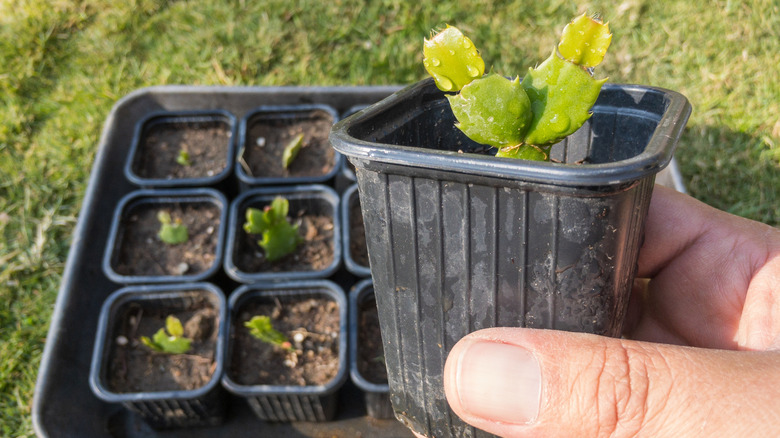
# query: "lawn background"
{"points": [[63, 64]]}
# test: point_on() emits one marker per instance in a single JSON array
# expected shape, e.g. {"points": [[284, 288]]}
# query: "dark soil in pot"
{"points": [[133, 367], [370, 352], [206, 143], [267, 137], [316, 360], [314, 254], [357, 234], [141, 252]]}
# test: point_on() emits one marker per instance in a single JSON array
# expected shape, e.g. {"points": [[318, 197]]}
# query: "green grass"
{"points": [[65, 63]]}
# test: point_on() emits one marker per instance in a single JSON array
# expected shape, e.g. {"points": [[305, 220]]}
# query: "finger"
{"points": [[704, 266], [525, 382]]}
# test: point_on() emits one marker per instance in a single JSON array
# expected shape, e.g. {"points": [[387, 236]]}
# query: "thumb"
{"points": [[517, 382]]}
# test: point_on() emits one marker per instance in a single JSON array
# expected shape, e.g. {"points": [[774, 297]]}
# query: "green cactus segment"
{"points": [[452, 59], [172, 342], [291, 150], [183, 158], [279, 238], [561, 95], [171, 232], [585, 41], [524, 152], [492, 110], [261, 328]]}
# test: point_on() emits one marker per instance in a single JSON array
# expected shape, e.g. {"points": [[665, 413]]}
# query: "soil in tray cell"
{"points": [[370, 352], [312, 327], [141, 252], [267, 138], [134, 367], [205, 142], [315, 253]]}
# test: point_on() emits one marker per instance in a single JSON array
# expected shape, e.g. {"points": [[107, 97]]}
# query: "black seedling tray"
{"points": [[64, 405]]}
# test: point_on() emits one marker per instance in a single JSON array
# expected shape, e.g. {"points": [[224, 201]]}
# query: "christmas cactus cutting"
{"points": [[522, 119]]}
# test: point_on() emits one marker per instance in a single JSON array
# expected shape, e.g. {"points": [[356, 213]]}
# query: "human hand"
{"points": [[702, 358]]}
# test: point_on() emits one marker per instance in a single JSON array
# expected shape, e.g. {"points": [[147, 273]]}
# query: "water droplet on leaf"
{"points": [[473, 71], [435, 62], [444, 83], [560, 123]]}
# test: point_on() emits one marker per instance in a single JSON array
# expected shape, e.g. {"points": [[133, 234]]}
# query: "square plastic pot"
{"points": [[351, 199], [146, 200], [313, 199], [459, 240], [184, 120], [278, 123], [377, 397], [286, 403], [346, 177], [203, 406]]}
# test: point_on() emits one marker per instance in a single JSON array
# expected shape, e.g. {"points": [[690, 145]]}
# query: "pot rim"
{"points": [[655, 156]]}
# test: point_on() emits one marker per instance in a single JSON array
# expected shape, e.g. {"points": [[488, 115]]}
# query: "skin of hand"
{"points": [[701, 355]]}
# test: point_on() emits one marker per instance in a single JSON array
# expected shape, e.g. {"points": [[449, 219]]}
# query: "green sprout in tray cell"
{"points": [[172, 232], [279, 237], [291, 150], [184, 158], [261, 328], [170, 339], [522, 119]]}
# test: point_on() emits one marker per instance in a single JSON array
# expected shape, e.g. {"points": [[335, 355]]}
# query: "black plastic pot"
{"points": [[182, 120], [150, 201], [275, 120], [376, 394], [351, 199], [346, 177], [284, 403], [459, 241], [203, 406], [312, 199]]}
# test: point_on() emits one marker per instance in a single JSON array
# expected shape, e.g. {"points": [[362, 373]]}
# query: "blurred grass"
{"points": [[65, 63]]}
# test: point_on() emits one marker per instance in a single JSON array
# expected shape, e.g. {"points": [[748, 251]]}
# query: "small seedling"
{"points": [[522, 119], [291, 150], [280, 238], [261, 328], [171, 232], [183, 158], [172, 342]]}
